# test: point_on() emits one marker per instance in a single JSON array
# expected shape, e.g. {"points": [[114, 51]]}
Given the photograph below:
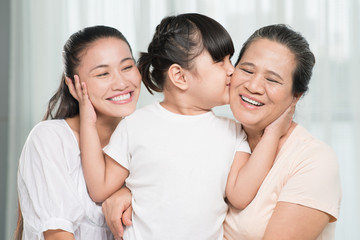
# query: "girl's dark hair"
{"points": [[178, 40], [296, 43], [62, 104]]}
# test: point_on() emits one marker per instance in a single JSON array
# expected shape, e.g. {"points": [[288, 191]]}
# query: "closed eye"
{"points": [[128, 67], [273, 81], [247, 71], [102, 74]]}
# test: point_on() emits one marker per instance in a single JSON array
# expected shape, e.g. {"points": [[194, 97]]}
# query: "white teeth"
{"points": [[121, 97], [251, 101]]}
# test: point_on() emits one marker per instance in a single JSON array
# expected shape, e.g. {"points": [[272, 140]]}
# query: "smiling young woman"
{"points": [[52, 192]]}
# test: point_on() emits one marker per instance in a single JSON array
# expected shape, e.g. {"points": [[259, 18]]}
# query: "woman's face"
{"points": [[111, 76], [261, 85]]}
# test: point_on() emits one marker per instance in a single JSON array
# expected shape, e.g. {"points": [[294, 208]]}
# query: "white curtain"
{"points": [[330, 110]]}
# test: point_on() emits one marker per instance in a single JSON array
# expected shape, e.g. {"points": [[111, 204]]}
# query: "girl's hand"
{"points": [[79, 92], [281, 125]]}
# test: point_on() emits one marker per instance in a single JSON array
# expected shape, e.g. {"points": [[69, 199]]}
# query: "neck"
{"points": [[253, 136], [181, 104]]}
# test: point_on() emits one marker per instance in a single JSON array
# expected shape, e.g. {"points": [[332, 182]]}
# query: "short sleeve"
{"points": [[315, 181], [118, 147], [47, 194], [241, 140]]}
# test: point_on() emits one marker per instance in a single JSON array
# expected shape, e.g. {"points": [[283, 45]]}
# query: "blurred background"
{"points": [[33, 32]]}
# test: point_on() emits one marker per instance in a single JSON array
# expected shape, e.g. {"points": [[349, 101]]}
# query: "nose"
{"points": [[119, 82], [229, 68], [255, 84]]}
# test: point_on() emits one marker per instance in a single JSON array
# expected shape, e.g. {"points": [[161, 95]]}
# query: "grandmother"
{"points": [[300, 196]]}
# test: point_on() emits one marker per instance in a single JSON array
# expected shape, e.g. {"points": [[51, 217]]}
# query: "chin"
{"points": [[127, 112], [119, 113]]}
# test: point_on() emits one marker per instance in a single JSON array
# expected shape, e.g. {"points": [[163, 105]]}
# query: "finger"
{"points": [[84, 89], [78, 86], [116, 228], [119, 228], [107, 214], [116, 223], [127, 216], [290, 109], [71, 87], [291, 112]]}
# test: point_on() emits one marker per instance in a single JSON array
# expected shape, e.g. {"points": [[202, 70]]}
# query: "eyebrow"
{"points": [[268, 71], [106, 65]]}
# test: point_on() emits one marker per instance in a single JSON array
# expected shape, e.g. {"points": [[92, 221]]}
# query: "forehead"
{"points": [[106, 46], [270, 55], [104, 51]]}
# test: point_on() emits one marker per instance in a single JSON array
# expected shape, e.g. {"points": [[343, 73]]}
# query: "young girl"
{"points": [[51, 186], [176, 155]]}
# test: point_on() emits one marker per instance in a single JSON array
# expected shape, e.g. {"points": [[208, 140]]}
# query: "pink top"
{"points": [[305, 172]]}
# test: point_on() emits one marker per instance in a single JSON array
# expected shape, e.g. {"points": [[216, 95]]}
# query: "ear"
{"points": [[177, 77], [72, 89], [297, 97]]}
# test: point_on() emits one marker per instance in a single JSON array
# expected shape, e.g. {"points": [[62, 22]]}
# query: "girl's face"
{"points": [[261, 86], [210, 81], [111, 76]]}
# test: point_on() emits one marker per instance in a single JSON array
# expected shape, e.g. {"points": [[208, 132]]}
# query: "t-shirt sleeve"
{"points": [[315, 181], [118, 147], [47, 195], [241, 140]]}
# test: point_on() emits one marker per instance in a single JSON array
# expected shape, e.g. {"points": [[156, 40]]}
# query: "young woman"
{"points": [[52, 192]]}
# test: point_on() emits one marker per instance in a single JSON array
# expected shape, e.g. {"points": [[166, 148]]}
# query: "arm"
{"points": [[293, 221], [248, 172], [117, 211], [58, 235], [103, 174]]}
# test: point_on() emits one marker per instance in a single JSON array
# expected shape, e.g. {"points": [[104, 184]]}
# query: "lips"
{"points": [[251, 101]]}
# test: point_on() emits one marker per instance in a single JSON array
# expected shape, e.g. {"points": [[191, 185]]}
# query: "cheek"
{"points": [[279, 94], [135, 79], [281, 101], [95, 92]]}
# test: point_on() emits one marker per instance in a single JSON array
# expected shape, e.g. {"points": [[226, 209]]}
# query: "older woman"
{"points": [[300, 197]]}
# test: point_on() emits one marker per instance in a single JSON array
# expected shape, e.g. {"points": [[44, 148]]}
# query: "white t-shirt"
{"points": [[305, 172], [178, 168], [51, 186]]}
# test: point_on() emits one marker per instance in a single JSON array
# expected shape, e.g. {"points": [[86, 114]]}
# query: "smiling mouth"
{"points": [[250, 101], [121, 97]]}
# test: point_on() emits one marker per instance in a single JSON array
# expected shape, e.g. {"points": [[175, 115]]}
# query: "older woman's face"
{"points": [[261, 85]]}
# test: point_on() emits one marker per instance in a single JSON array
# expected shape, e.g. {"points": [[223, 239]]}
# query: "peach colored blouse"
{"points": [[305, 172]]}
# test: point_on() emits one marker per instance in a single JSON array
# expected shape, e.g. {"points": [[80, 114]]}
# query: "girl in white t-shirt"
{"points": [[52, 192], [177, 158]]}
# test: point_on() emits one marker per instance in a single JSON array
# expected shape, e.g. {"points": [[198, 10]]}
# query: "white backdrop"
{"points": [[330, 110]]}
